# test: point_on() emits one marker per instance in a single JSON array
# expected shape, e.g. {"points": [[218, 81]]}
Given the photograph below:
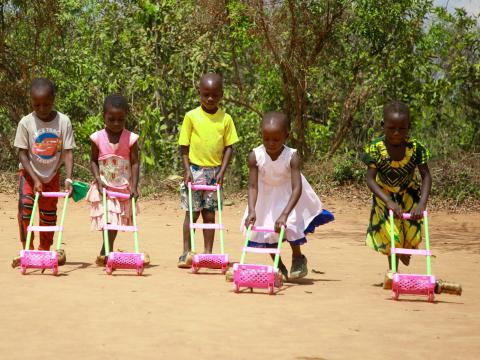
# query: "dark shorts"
{"points": [[201, 199]]}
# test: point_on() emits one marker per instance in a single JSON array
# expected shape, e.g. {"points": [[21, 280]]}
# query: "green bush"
{"points": [[347, 169]]}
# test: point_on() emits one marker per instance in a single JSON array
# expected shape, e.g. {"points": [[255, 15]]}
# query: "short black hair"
{"points": [[40, 84], [117, 101], [213, 77], [277, 118], [397, 107]]}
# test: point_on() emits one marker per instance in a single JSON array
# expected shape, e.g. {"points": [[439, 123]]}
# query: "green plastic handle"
{"points": [[32, 219], [392, 240], [190, 214], [279, 246], [219, 203], [105, 222], [62, 220], [427, 242], [134, 220], [247, 239]]}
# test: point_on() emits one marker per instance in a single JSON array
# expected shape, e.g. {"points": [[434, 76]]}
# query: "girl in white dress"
{"points": [[278, 194]]}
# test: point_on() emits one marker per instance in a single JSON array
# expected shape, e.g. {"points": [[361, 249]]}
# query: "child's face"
{"points": [[396, 127], [42, 103], [115, 119], [211, 93], [274, 137]]}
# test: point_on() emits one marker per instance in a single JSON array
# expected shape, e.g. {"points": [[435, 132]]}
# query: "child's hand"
{"points": [[251, 218], [68, 186], [417, 212], [219, 179], [100, 185], [397, 211], [37, 186], [281, 221], [135, 193], [187, 177]]}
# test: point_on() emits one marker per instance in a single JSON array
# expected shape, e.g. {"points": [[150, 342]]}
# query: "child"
{"points": [[279, 195], [206, 140], [391, 161], [114, 162], [44, 140]]}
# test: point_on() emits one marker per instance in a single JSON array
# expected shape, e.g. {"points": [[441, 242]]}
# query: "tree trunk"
{"points": [[352, 102]]}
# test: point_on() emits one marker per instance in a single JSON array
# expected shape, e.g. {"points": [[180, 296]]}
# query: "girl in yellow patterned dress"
{"points": [[391, 160]]}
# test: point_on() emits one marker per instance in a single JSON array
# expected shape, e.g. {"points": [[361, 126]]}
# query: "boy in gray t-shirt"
{"points": [[44, 140]]}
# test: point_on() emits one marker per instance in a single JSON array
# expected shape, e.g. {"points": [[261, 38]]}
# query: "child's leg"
{"points": [[186, 229], [25, 207], [388, 279], [48, 213], [299, 263], [390, 262], [112, 235], [296, 251], [208, 234], [281, 267]]}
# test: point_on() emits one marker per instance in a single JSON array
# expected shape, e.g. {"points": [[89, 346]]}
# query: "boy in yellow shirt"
{"points": [[206, 140]]}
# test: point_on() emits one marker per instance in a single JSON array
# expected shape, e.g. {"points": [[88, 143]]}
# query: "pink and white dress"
{"points": [[115, 172]]}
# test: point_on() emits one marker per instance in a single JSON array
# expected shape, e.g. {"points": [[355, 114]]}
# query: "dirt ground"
{"points": [[337, 312]]}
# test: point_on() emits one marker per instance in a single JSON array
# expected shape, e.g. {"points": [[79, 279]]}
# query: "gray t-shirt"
{"points": [[45, 142]]}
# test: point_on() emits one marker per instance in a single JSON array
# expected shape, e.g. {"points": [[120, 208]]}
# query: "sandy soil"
{"points": [[337, 312]]}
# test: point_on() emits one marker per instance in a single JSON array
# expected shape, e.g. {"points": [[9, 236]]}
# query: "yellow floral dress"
{"points": [[399, 181]]}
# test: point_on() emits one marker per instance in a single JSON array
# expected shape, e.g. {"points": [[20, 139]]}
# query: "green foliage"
{"points": [[330, 65], [347, 169]]}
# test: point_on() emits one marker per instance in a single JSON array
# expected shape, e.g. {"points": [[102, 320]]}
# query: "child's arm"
{"points": [[373, 186], [23, 157], [94, 166], [252, 189], [135, 164], [296, 192], [417, 212], [187, 174], [227, 155], [68, 159]]}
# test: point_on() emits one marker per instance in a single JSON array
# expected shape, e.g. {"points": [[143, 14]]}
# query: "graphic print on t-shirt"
{"points": [[47, 145]]}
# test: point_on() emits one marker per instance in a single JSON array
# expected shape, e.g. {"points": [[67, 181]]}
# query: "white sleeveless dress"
{"points": [[274, 190]]}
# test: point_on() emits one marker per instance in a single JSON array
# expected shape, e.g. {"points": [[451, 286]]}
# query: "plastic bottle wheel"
{"points": [[108, 270], [431, 297], [139, 271], [395, 295], [195, 269], [23, 270], [236, 288], [55, 271], [271, 289]]}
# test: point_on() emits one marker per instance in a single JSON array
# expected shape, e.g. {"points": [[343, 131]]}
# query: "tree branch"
{"points": [[293, 27], [244, 104]]}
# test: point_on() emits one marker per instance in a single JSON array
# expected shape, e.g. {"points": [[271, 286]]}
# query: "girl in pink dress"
{"points": [[114, 163]]}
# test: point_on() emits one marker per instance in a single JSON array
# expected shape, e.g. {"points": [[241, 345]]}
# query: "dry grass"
{"points": [[456, 185]]}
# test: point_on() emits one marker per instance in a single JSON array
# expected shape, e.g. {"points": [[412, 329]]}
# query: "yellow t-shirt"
{"points": [[207, 135]]}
